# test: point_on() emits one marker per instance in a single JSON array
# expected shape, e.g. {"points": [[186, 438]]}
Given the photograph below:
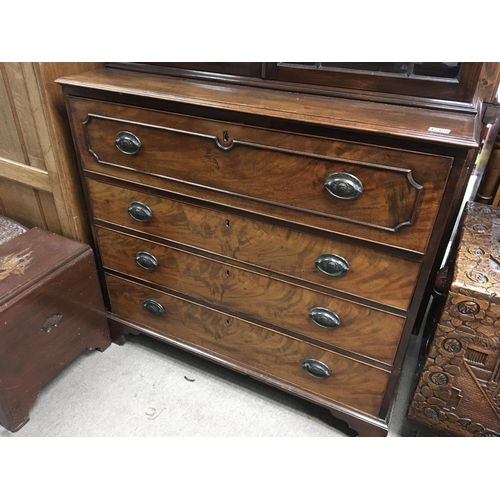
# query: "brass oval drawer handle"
{"points": [[146, 261], [332, 264], [153, 307], [127, 142], [343, 185], [324, 317], [140, 211], [316, 368]]}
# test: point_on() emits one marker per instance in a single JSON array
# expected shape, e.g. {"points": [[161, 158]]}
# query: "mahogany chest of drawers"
{"points": [[290, 237], [51, 310], [458, 391]]}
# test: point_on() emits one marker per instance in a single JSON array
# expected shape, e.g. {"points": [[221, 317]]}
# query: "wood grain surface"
{"points": [[389, 199], [266, 245], [43, 254], [401, 192], [353, 384], [39, 182], [362, 329], [230, 171], [344, 113], [51, 310]]}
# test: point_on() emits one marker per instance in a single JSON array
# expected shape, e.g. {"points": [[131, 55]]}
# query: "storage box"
{"points": [[51, 310], [458, 392]]}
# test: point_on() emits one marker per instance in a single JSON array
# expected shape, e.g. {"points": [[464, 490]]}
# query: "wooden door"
{"points": [[39, 183]]}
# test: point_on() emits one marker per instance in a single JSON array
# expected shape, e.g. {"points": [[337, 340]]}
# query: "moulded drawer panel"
{"points": [[277, 172]]}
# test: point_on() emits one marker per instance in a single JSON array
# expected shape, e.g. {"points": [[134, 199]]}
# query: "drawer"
{"points": [[262, 244], [350, 383], [362, 329], [325, 183]]}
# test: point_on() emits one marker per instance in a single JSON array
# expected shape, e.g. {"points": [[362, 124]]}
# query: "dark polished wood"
{"points": [[236, 69], [228, 158], [396, 185], [362, 330], [51, 310], [272, 247], [351, 383], [233, 192], [364, 426], [461, 88], [371, 117], [475, 83]]}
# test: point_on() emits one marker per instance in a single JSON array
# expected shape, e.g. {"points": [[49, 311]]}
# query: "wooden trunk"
{"points": [[51, 310], [458, 392]]}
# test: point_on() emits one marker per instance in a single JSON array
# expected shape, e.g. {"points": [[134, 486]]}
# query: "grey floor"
{"points": [[147, 388]]}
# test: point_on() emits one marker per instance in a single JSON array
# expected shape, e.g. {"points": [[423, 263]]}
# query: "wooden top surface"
{"points": [[30, 257], [449, 127]]}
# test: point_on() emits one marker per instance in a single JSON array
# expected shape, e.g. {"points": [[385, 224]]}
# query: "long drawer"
{"points": [[391, 194], [338, 322], [262, 244], [349, 383]]}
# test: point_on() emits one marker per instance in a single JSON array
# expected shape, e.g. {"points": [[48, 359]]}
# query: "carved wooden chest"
{"points": [[458, 392], [51, 310]]}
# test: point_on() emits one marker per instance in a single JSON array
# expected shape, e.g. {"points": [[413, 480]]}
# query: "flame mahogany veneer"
{"points": [[291, 237]]}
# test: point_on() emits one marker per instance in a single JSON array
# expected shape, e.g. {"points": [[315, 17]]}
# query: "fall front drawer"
{"points": [[335, 184], [335, 321], [311, 258], [331, 376]]}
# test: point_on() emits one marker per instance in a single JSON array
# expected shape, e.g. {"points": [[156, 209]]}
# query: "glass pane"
{"points": [[437, 69], [384, 67]]}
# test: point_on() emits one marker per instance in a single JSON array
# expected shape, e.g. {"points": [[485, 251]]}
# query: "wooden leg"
{"points": [[14, 419], [362, 427], [117, 332]]}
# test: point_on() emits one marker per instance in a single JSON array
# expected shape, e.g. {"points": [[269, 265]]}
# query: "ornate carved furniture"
{"points": [[458, 391], [51, 310], [278, 221]]}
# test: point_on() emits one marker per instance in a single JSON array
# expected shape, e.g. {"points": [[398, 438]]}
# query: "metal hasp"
{"points": [[140, 211], [128, 143], [153, 307], [332, 264], [316, 368], [324, 317], [343, 185], [146, 261]]}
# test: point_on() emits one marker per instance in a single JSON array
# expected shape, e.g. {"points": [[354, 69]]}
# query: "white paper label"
{"points": [[440, 130]]}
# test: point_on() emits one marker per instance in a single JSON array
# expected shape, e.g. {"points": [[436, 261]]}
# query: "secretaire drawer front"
{"points": [[317, 370], [335, 321], [336, 265], [333, 181]]}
